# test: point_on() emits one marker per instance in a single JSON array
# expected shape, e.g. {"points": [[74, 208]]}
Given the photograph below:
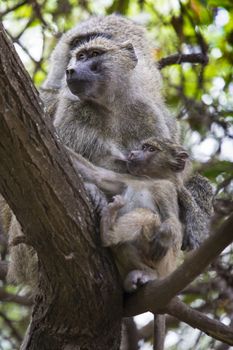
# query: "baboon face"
{"points": [[99, 68], [157, 158]]}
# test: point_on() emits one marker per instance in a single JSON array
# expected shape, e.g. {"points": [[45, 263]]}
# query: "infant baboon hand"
{"points": [[118, 202], [162, 242], [136, 279]]}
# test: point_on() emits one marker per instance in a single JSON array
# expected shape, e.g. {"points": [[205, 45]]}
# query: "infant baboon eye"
{"points": [[151, 149], [147, 147], [81, 56]]}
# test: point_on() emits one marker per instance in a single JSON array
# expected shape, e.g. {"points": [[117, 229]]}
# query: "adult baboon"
{"points": [[103, 88]]}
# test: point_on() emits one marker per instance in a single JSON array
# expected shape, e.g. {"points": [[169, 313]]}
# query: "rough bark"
{"points": [[78, 304]]}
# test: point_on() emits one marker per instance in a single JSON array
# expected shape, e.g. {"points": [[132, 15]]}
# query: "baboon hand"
{"points": [[118, 203]]}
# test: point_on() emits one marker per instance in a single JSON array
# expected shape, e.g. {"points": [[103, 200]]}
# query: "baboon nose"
{"points": [[69, 73], [132, 155], [94, 67]]}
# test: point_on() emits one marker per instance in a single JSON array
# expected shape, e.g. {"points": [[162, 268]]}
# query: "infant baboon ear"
{"points": [[131, 53], [180, 160]]}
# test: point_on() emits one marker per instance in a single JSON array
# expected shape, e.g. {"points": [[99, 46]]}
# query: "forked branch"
{"points": [[198, 320]]}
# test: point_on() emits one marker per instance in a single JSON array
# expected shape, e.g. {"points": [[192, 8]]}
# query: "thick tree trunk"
{"points": [[79, 302]]}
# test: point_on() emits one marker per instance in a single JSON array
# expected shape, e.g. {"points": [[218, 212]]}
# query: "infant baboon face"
{"points": [[157, 158]]}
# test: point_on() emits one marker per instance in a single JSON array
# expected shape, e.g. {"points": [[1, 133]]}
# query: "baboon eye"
{"points": [[144, 147], [81, 56], [95, 53]]}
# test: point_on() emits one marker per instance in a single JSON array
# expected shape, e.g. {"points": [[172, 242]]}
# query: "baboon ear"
{"points": [[129, 47]]}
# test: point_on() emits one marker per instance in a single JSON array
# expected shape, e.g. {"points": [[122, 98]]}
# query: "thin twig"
{"points": [[14, 298], [159, 331], [182, 58], [198, 320], [13, 8], [10, 324]]}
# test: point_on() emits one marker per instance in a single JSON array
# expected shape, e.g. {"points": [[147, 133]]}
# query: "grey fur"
{"points": [[137, 111]]}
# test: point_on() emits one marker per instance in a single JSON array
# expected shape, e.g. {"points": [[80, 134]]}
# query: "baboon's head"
{"points": [[157, 158], [100, 68]]}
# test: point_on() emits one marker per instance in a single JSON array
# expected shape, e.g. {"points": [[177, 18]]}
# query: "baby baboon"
{"points": [[142, 224]]}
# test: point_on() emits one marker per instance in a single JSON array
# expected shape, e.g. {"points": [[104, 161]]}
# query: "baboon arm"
{"points": [[107, 180]]}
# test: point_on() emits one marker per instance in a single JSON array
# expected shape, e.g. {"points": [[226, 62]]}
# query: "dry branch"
{"points": [[18, 299], [159, 331], [182, 58], [196, 319]]}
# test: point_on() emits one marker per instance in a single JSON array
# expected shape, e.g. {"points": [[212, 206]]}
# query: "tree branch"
{"points": [[198, 320], [146, 332], [159, 331], [10, 324], [18, 299], [77, 278], [182, 58], [155, 295], [13, 8]]}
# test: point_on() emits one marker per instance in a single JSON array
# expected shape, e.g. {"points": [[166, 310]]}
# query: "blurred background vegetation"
{"points": [[199, 95]]}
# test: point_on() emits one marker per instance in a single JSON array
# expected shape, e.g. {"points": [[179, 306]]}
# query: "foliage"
{"points": [[200, 96]]}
